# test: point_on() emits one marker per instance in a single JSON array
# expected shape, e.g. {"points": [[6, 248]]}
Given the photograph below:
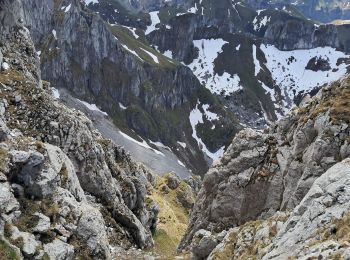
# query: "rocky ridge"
{"points": [[65, 191], [271, 185]]}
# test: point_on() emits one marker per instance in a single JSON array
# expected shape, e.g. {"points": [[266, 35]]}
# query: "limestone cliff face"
{"points": [[299, 34], [317, 10], [65, 191], [265, 172]]}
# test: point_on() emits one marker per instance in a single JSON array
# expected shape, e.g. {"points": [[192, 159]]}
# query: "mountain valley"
{"points": [[173, 129]]}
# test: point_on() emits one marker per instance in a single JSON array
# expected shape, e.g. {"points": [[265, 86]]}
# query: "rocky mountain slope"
{"points": [[147, 95], [280, 192], [65, 191], [252, 63]]}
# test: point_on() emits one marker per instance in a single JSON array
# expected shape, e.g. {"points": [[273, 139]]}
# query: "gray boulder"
{"points": [[43, 223], [59, 250], [172, 181], [203, 244], [8, 202], [327, 200], [27, 242], [91, 230]]}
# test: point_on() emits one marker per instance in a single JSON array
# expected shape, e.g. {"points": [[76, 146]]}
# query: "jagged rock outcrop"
{"points": [[317, 227], [265, 172], [65, 191]]}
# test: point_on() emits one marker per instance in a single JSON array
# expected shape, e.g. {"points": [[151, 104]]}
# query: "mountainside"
{"points": [[284, 55], [323, 11], [285, 167], [140, 89], [60, 180], [92, 89], [185, 74]]}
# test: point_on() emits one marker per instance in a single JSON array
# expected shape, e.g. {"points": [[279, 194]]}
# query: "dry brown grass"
{"points": [[173, 219]]}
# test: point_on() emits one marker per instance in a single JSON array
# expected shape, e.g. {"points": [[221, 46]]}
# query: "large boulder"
{"points": [[326, 203], [59, 250], [8, 202]]}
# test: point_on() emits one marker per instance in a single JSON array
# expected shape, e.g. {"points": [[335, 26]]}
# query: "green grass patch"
{"points": [[7, 252], [124, 35], [173, 219]]}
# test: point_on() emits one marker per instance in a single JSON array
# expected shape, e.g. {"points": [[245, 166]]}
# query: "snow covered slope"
{"points": [[302, 70], [227, 67], [203, 68]]}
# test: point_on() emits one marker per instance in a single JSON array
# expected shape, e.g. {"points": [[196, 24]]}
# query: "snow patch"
{"points": [[168, 54], [87, 2], [183, 145], [193, 9], [132, 30], [159, 144], [56, 93], [92, 107], [179, 162], [154, 57], [54, 33], [131, 51], [259, 23], [203, 68], [210, 115], [196, 117], [288, 68], [122, 106], [154, 21], [256, 61], [66, 8], [142, 144]]}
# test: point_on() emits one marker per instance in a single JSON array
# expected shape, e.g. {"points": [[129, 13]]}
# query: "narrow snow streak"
{"points": [[196, 117]]}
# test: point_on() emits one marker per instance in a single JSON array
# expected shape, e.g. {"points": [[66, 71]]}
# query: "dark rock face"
{"points": [[300, 34], [136, 6], [317, 63], [284, 30], [317, 10]]}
